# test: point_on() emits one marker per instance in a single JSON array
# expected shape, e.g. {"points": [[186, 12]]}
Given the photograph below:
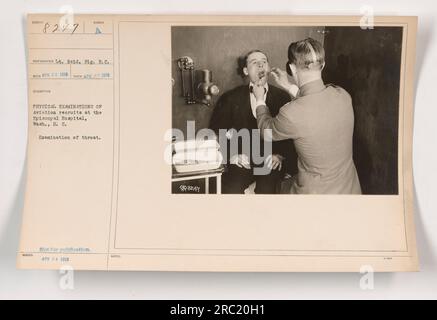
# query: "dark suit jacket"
{"points": [[233, 110]]}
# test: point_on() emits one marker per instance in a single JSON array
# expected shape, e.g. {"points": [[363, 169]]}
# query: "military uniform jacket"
{"points": [[321, 123]]}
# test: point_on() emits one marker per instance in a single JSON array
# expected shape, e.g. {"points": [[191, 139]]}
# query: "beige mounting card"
{"points": [[103, 93]]}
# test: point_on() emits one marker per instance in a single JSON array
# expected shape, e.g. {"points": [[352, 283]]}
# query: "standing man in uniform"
{"points": [[320, 121]]}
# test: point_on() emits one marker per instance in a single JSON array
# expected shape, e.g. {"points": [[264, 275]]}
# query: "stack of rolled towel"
{"points": [[196, 155]]}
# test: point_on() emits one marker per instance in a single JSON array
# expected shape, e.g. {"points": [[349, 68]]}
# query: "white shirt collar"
{"points": [[266, 85]]}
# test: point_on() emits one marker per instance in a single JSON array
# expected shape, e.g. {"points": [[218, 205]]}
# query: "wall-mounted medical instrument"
{"points": [[206, 87], [186, 65], [196, 86]]}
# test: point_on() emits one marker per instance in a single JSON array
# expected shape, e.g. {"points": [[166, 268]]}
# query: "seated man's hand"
{"points": [[240, 160], [274, 161]]}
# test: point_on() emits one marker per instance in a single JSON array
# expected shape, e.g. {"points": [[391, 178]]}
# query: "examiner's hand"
{"points": [[240, 160], [274, 161], [259, 91], [281, 79]]}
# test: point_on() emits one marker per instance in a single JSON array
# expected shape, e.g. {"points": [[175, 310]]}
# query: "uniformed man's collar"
{"points": [[311, 87]]}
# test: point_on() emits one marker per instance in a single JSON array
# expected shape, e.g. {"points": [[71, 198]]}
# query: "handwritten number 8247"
{"points": [[48, 28]]}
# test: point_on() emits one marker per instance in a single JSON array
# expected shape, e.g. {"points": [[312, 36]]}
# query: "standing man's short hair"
{"points": [[307, 53]]}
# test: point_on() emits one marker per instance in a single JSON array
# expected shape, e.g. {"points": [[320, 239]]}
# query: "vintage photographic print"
{"points": [[286, 109]]}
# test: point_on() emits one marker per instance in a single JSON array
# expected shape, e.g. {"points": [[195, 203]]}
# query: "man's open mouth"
{"points": [[261, 74]]}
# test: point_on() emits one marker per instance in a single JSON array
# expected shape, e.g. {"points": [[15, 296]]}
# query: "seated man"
{"points": [[236, 110]]}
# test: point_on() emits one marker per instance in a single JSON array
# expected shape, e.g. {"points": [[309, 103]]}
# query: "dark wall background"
{"points": [[364, 62], [218, 49], [367, 64]]}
